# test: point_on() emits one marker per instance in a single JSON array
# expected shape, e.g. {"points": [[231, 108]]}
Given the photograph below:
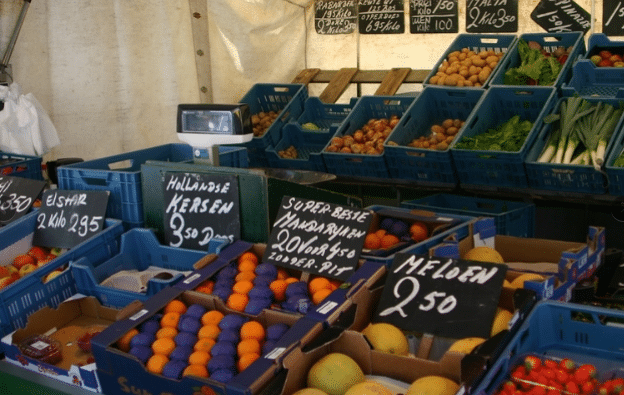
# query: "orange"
{"points": [[195, 370], [204, 344], [389, 240], [170, 319], [246, 266], [206, 287], [245, 360], [418, 231], [242, 287], [163, 346], [211, 317], [282, 274], [291, 280], [372, 241], [321, 294], [124, 342], [4, 272], [156, 363], [248, 255], [237, 302], [245, 276], [199, 358], [247, 346], [279, 289], [334, 284], [318, 283], [380, 233], [209, 331], [175, 305], [252, 330], [166, 331]]}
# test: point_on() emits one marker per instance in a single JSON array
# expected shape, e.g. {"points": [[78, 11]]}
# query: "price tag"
{"points": [[492, 16], [318, 237], [335, 16], [441, 296], [381, 17], [68, 217], [613, 17], [433, 16], [557, 16], [17, 195], [199, 208]]}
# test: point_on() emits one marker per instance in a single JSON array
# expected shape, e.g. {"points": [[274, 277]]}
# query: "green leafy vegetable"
{"points": [[619, 162], [534, 69], [508, 136]]}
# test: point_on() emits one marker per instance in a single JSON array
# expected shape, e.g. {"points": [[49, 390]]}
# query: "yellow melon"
{"points": [[483, 254], [466, 345], [335, 373], [433, 385], [501, 321], [386, 337], [368, 388], [518, 282]]}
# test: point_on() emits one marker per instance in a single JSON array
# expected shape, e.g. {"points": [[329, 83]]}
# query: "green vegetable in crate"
{"points": [[508, 136], [619, 162], [535, 67], [580, 132]]}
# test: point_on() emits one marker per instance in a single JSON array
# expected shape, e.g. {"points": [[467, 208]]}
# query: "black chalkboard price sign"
{"points": [[492, 16], [199, 208], [17, 195], [335, 16], [381, 17], [317, 237], [433, 16], [613, 17], [557, 16], [68, 217], [441, 296]]}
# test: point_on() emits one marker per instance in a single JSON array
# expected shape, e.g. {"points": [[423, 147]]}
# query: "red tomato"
{"points": [[605, 54], [572, 387]]}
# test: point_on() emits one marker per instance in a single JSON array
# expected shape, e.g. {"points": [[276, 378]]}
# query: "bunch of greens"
{"points": [[619, 162], [580, 132], [508, 136], [535, 68]]}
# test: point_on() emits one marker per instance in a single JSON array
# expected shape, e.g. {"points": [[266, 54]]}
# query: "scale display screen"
{"points": [[214, 119]]}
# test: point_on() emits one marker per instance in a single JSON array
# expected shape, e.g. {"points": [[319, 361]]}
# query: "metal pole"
{"points": [[16, 30]]}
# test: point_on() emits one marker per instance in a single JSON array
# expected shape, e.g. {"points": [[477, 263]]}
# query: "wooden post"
{"points": [[392, 81], [337, 85], [199, 25]]}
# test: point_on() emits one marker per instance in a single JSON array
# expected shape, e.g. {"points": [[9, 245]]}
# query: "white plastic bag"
{"points": [[25, 128]]}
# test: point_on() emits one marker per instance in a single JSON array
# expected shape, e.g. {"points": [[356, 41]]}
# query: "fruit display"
{"points": [[612, 57], [261, 121], [441, 136], [26, 263], [538, 65], [189, 339], [466, 67], [369, 139], [249, 285]]}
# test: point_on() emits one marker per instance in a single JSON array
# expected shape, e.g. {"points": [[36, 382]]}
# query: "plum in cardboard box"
{"points": [[76, 319], [560, 263], [122, 372]]}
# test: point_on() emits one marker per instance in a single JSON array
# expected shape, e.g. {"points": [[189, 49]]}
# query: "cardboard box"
{"points": [[122, 373], [65, 324], [562, 263]]}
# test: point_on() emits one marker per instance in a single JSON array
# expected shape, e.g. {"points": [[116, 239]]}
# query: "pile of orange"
{"points": [[380, 239], [320, 288]]}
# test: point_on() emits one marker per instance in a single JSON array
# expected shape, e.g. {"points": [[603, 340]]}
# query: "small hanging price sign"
{"points": [[491, 16], [558, 16], [199, 208], [17, 195], [433, 16], [335, 16], [381, 17], [317, 237], [67, 217], [441, 296]]}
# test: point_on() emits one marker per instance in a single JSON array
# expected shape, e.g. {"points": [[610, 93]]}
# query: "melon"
{"points": [[483, 254], [335, 373], [433, 385]]}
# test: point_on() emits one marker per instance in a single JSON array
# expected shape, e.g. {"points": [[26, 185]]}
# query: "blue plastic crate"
{"points": [[589, 80], [600, 41], [308, 144], [363, 165], [325, 115], [430, 167], [557, 330], [615, 175], [564, 177], [287, 100], [511, 217], [499, 169], [30, 293], [549, 42], [139, 251], [19, 165], [477, 43]]}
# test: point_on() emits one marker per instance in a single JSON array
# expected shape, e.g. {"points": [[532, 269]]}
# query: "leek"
{"points": [[605, 134]]}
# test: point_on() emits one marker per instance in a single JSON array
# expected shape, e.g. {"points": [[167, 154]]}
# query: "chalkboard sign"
{"points": [[557, 16], [17, 195], [66, 217], [492, 16], [335, 16], [199, 208], [317, 237], [381, 17], [441, 296], [433, 16], [613, 17]]}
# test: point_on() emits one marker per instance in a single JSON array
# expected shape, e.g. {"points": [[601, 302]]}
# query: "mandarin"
{"points": [[164, 346], [170, 319], [418, 231], [389, 240], [156, 363], [372, 241], [318, 283], [195, 370], [209, 331], [124, 342], [245, 360], [199, 358], [282, 274], [237, 302], [279, 289], [204, 344], [247, 346], [175, 305], [321, 294], [242, 287], [247, 266], [211, 317], [245, 276], [166, 331], [252, 330], [248, 255]]}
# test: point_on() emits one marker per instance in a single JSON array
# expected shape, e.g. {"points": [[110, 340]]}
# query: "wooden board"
{"points": [[337, 85], [392, 81], [199, 25]]}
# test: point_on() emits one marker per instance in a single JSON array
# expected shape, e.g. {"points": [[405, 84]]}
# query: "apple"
{"points": [[615, 58], [618, 64], [6, 281], [605, 54], [22, 260], [605, 63], [27, 268], [52, 275], [595, 59]]}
